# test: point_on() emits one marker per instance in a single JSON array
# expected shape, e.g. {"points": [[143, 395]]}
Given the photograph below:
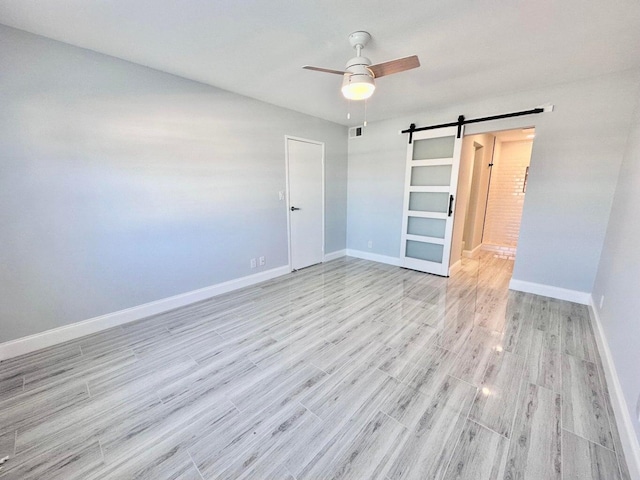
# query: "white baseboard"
{"points": [[453, 269], [374, 257], [20, 346], [628, 437], [334, 255], [574, 296], [472, 253]]}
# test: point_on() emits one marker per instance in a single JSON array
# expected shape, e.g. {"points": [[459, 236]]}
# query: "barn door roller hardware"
{"points": [[463, 121]]}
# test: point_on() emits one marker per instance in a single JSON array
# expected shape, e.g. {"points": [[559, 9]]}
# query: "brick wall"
{"points": [[506, 196]]}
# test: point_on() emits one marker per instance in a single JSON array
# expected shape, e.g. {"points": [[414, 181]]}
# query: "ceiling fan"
{"points": [[358, 76]]}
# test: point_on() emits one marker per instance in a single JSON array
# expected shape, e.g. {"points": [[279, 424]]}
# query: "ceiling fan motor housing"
{"points": [[358, 66]]}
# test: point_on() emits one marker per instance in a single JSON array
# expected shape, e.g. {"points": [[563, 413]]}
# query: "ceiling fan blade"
{"points": [[325, 70], [395, 66]]}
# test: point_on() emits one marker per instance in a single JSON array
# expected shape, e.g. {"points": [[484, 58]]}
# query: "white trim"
{"points": [[20, 346], [288, 191], [434, 162], [425, 239], [620, 408], [437, 268], [472, 253], [574, 296], [374, 257], [428, 189], [455, 268], [334, 255], [416, 213]]}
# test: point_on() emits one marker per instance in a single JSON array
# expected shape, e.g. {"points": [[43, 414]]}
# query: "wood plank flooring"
{"points": [[349, 369]]}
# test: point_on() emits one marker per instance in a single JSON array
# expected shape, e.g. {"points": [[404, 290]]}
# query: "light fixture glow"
{"points": [[357, 86]]}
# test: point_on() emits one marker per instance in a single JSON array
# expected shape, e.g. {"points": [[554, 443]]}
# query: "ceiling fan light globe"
{"points": [[358, 87]]}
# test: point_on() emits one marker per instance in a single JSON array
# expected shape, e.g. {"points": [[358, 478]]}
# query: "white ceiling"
{"points": [[468, 49]]}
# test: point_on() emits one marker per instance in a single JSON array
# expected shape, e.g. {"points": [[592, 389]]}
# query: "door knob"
{"points": [[293, 209]]}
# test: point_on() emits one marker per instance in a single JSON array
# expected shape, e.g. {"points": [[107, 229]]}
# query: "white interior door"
{"points": [[305, 166], [433, 161]]}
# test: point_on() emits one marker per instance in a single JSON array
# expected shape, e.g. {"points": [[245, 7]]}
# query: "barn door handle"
{"points": [[293, 209], [450, 205]]}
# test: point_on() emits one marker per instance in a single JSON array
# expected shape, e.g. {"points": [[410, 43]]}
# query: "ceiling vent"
{"points": [[355, 131]]}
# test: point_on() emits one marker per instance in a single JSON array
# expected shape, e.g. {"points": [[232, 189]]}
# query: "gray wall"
{"points": [[574, 167], [618, 276], [121, 185]]}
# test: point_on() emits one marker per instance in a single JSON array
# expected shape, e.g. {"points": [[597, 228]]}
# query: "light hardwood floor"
{"points": [[349, 369]]}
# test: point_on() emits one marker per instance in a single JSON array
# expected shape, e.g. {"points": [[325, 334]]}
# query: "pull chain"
{"points": [[365, 114], [348, 109]]}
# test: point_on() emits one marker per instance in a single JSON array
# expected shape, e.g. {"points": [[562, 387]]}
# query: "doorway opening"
{"points": [[492, 184]]}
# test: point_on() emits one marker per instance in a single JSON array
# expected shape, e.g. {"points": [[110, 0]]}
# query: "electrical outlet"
{"points": [[261, 260], [253, 263], [601, 301], [370, 244]]}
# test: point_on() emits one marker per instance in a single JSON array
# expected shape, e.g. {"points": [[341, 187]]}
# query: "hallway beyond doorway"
{"points": [[493, 179]]}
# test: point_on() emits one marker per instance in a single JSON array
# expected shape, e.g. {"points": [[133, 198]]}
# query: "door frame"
{"points": [[492, 127], [287, 191]]}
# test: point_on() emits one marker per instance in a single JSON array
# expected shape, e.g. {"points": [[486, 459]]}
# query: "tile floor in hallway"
{"points": [[349, 369]]}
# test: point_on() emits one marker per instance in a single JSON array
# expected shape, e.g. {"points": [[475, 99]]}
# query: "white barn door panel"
{"points": [[431, 179]]}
